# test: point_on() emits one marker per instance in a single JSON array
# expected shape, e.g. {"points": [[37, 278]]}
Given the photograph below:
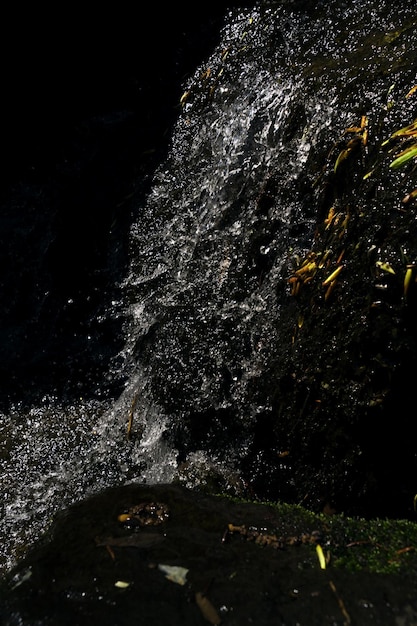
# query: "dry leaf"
{"points": [[207, 609]]}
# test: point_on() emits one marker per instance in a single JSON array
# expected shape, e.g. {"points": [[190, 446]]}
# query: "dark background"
{"points": [[65, 65], [88, 101]]}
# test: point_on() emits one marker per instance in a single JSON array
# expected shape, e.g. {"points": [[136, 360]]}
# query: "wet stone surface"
{"points": [[210, 561]]}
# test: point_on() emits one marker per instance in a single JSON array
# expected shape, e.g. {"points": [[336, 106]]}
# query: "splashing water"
{"points": [[209, 260]]}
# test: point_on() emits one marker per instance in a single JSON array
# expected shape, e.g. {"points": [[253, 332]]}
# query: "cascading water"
{"points": [[211, 250]]}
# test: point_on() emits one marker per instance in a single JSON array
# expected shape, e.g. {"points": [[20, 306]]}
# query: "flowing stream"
{"points": [[209, 261]]}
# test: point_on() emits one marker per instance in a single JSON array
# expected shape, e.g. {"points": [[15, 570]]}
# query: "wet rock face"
{"points": [[280, 331]]}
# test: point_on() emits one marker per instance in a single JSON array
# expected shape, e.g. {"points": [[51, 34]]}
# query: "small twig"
{"points": [[340, 603], [365, 542], [110, 551]]}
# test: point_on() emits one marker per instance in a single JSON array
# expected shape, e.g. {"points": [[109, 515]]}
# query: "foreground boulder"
{"points": [[168, 555]]}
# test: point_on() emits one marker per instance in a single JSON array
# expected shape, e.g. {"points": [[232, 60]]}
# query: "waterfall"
{"points": [[205, 300]]}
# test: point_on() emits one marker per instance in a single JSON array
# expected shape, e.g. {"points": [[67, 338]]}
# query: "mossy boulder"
{"points": [[213, 560]]}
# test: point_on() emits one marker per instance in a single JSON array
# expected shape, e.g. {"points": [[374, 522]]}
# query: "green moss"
{"points": [[376, 546], [379, 546]]}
